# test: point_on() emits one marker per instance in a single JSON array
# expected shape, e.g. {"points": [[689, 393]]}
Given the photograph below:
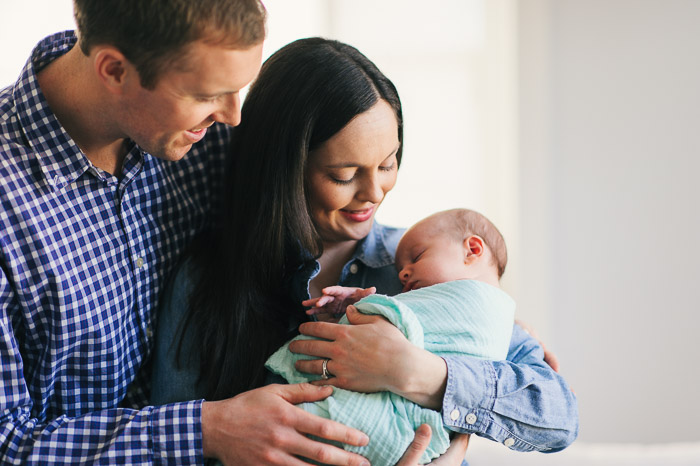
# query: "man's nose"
{"points": [[230, 110]]}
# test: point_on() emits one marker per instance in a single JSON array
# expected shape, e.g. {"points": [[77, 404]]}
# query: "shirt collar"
{"points": [[372, 250], [61, 160]]}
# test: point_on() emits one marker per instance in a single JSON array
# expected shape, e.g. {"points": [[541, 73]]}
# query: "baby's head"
{"points": [[457, 244]]}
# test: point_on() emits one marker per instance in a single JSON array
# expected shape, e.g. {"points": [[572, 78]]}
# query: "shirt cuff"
{"points": [[176, 431], [468, 404]]}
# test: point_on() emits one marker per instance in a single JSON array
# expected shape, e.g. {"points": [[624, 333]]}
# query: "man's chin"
{"points": [[172, 154]]}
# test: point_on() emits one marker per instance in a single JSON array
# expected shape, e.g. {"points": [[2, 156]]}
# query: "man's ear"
{"points": [[473, 247], [112, 68]]}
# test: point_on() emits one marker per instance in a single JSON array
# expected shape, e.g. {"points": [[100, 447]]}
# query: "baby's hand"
{"points": [[331, 306]]}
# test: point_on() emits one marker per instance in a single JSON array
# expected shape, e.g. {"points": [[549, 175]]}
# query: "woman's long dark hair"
{"points": [[240, 309]]}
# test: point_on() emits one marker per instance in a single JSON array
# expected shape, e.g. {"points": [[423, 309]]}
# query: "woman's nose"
{"points": [[372, 190]]}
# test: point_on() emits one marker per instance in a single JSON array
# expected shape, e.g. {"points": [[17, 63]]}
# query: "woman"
{"points": [[318, 149]]}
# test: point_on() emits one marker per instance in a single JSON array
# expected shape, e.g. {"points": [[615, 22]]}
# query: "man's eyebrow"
{"points": [[215, 94]]}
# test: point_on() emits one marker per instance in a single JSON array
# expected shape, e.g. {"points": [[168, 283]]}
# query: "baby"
{"points": [[449, 265]]}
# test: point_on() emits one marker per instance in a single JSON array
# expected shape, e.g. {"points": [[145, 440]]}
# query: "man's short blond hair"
{"points": [[153, 34]]}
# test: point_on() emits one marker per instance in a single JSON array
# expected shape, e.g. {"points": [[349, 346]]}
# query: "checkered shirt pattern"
{"points": [[84, 256]]}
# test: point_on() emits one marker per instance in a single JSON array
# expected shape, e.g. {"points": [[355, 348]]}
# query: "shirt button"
{"points": [[149, 332], [471, 418], [509, 442], [454, 415], [353, 268], [139, 262]]}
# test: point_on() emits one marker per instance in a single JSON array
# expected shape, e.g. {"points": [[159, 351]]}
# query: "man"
{"points": [[99, 199]]}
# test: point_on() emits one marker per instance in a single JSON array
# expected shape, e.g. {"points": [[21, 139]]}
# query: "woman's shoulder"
{"points": [[387, 237]]}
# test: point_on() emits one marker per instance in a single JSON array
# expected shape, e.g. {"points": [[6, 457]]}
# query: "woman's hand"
{"points": [[549, 356], [452, 457], [372, 355]]}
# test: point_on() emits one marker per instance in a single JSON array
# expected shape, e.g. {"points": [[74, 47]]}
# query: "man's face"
{"points": [[202, 88]]}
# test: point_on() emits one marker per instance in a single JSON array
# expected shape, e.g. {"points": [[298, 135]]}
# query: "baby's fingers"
{"points": [[310, 302], [363, 293], [318, 302], [337, 290]]}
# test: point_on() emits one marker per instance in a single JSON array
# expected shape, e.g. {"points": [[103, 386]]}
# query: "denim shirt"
{"points": [[520, 402]]}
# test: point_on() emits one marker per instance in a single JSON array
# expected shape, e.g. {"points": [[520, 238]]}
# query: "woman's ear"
{"points": [[473, 247], [111, 68]]}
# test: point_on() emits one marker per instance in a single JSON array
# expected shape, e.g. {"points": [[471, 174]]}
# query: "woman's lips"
{"points": [[358, 215], [196, 135], [409, 286]]}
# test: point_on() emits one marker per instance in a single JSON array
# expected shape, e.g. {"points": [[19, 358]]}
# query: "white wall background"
{"points": [[610, 155], [574, 126]]}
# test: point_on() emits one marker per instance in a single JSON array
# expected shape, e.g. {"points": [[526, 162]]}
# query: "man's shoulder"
{"points": [[13, 150], [9, 127]]}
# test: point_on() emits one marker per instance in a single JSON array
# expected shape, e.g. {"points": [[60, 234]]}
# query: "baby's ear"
{"points": [[473, 247]]}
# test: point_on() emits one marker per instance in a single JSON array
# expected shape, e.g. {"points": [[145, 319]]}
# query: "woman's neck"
{"points": [[334, 257]]}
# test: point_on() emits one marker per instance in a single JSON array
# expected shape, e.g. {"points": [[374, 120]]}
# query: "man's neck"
{"points": [[82, 108]]}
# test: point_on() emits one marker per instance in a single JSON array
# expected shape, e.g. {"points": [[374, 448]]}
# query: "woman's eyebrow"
{"points": [[356, 165]]}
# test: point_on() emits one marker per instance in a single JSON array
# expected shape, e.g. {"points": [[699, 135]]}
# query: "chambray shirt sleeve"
{"points": [[173, 379], [170, 434], [521, 402]]}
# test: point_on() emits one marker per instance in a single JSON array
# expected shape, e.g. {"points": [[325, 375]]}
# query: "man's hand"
{"points": [[452, 457], [263, 426], [332, 305]]}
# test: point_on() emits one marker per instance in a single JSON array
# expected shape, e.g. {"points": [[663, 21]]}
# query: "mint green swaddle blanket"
{"points": [[466, 317]]}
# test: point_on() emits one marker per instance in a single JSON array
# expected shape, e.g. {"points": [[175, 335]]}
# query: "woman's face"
{"points": [[349, 175]]}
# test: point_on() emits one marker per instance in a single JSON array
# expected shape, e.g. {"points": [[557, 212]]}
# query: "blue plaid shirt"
{"points": [[84, 256]]}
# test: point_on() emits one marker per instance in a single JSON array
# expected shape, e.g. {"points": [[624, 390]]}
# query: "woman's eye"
{"points": [[388, 168], [341, 181]]}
